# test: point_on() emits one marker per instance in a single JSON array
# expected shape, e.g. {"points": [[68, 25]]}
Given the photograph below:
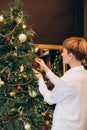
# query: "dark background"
{"points": [[53, 20]]}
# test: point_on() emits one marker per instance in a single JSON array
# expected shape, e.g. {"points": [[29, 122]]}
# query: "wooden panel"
{"points": [[49, 46]]}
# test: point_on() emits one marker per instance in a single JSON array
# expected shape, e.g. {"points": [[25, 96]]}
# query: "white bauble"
{"points": [[1, 18], [22, 37], [27, 126]]}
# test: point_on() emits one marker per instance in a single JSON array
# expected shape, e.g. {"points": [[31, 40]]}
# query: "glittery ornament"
{"points": [[22, 37], [32, 93]]}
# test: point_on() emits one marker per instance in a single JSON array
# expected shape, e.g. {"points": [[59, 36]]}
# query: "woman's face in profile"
{"points": [[65, 55]]}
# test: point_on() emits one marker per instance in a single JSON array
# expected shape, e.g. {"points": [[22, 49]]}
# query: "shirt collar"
{"points": [[77, 68]]}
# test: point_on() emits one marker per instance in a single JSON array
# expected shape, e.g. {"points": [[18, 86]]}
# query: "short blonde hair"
{"points": [[77, 46]]}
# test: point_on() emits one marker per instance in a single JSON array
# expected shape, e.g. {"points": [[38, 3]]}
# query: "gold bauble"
{"points": [[24, 26], [32, 93], [12, 93], [1, 82], [47, 122], [1, 18]]}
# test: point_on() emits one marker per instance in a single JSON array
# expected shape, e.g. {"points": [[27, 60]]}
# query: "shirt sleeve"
{"points": [[52, 77], [56, 95], [44, 91]]}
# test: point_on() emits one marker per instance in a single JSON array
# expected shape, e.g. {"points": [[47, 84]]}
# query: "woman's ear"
{"points": [[71, 55]]}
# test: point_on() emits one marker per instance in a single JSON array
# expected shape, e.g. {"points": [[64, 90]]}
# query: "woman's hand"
{"points": [[42, 64], [37, 74]]}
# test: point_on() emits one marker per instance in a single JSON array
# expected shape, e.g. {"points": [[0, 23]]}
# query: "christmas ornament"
{"points": [[1, 18], [25, 76], [12, 93], [19, 88], [39, 110], [19, 20], [15, 53], [24, 26], [1, 82], [21, 68], [22, 37], [6, 118], [44, 127], [50, 115], [35, 65], [8, 38], [47, 122], [32, 93], [43, 114], [10, 65], [36, 49], [27, 126]]}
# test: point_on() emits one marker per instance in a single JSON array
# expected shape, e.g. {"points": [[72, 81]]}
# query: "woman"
{"points": [[70, 91]]}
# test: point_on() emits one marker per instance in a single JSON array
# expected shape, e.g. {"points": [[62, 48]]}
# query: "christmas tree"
{"points": [[21, 105]]}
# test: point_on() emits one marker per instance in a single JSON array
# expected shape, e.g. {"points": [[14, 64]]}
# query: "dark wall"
{"points": [[78, 17], [85, 19], [53, 19]]}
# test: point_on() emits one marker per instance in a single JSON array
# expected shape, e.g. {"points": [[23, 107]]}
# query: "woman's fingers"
{"points": [[38, 75], [38, 60], [35, 71]]}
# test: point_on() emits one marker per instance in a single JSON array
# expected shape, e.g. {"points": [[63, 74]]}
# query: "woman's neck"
{"points": [[75, 63]]}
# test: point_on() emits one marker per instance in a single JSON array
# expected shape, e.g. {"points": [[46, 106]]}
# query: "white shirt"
{"points": [[70, 97]]}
